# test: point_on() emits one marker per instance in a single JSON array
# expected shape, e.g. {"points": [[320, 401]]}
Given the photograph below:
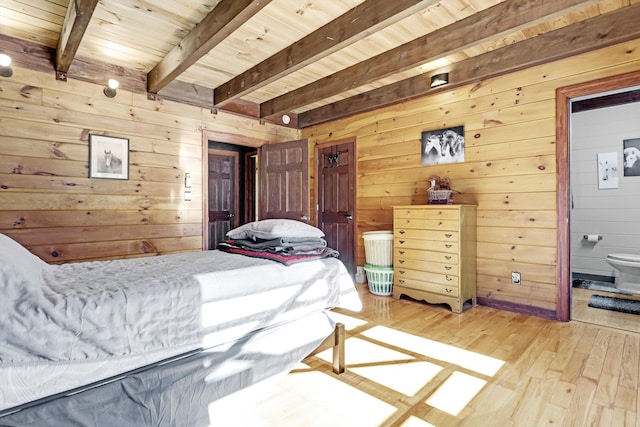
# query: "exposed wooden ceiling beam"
{"points": [[354, 25], [75, 24], [596, 33], [224, 19], [502, 19]]}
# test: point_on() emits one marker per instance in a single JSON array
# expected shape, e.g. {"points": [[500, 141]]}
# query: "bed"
{"points": [[153, 340]]}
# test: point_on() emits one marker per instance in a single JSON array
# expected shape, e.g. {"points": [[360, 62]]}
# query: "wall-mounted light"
{"points": [[286, 119], [5, 65], [187, 180], [439, 79], [110, 90]]}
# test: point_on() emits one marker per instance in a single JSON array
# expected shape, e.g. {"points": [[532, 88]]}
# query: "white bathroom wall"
{"points": [[612, 213]]}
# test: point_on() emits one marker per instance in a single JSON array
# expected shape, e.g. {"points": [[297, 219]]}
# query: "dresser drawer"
{"points": [[425, 255], [427, 245], [408, 213], [432, 267], [425, 276], [413, 234], [426, 224], [436, 288]]}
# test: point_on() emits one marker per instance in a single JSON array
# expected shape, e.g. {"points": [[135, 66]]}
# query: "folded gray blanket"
{"points": [[291, 245]]}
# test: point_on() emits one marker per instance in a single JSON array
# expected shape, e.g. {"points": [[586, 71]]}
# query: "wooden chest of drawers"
{"points": [[434, 255]]}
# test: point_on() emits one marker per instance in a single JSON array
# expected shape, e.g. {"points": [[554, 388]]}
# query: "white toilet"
{"points": [[628, 266]]}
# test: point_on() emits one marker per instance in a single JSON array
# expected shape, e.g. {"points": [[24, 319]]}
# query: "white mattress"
{"points": [[92, 320]]}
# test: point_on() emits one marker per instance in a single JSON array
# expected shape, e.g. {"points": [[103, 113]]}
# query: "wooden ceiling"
{"points": [[315, 60]]}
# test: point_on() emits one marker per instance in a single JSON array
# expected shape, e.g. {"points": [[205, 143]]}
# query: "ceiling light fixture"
{"points": [[110, 90], [5, 65], [439, 79], [286, 119]]}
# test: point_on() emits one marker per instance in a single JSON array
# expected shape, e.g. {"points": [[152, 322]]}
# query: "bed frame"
{"points": [[335, 341]]}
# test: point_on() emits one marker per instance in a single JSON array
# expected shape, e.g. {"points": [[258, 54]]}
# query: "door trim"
{"points": [[229, 138], [563, 100]]}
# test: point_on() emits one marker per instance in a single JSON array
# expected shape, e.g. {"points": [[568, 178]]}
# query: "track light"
{"points": [[439, 79], [110, 91], [5, 65]]}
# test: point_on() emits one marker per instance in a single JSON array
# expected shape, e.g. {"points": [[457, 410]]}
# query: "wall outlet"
{"points": [[515, 278]]}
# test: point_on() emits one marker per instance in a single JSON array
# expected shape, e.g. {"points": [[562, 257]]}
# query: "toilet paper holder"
{"points": [[590, 237]]}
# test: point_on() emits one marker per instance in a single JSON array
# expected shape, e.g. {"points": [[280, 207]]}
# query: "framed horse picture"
{"points": [[108, 157], [443, 146]]}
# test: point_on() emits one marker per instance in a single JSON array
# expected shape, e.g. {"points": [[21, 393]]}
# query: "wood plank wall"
{"points": [[47, 201], [509, 170]]}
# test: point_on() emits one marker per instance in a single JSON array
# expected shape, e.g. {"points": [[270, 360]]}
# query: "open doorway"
{"points": [[564, 98]]}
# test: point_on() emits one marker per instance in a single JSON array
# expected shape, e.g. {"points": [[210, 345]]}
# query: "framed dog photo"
{"points": [[631, 154], [108, 157], [443, 146]]}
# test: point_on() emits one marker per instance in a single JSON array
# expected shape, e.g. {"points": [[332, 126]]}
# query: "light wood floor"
{"points": [[412, 364], [580, 311]]}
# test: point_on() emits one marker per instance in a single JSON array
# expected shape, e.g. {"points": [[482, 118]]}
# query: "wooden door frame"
{"points": [[319, 147], [563, 100], [228, 138]]}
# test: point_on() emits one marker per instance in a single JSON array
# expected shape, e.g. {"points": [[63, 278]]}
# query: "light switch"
{"points": [[187, 196]]}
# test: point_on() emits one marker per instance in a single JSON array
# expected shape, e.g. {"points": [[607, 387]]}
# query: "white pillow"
{"points": [[27, 264], [275, 228]]}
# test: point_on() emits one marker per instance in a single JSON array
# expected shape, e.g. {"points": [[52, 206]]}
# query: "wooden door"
{"points": [[223, 194], [284, 175], [336, 198]]}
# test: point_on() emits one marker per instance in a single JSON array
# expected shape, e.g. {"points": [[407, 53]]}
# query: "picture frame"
{"points": [[631, 156], [108, 157], [443, 146], [607, 170]]}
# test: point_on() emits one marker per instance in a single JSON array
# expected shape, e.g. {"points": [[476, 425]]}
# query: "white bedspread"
{"points": [[156, 306], [113, 308]]}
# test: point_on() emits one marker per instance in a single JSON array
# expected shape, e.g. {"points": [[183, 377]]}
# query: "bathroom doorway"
{"points": [[572, 229]]}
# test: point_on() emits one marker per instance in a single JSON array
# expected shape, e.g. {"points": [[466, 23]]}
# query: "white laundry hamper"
{"points": [[378, 251], [378, 248]]}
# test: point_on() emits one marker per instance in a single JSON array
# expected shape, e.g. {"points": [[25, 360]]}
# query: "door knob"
{"points": [[304, 218], [349, 217]]}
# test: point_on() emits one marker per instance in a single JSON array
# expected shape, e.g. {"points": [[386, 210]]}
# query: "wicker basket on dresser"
{"points": [[434, 255]]}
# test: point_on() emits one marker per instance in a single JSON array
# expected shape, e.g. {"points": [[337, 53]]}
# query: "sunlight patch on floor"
{"points": [[304, 394], [361, 352], [456, 392], [405, 378], [415, 422], [435, 350]]}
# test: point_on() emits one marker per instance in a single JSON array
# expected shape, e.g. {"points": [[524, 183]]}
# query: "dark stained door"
{"points": [[284, 175], [336, 198], [223, 194]]}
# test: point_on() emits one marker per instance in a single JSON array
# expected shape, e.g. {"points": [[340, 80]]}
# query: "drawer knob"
{"points": [[446, 245], [447, 257], [401, 252], [401, 261], [447, 267], [440, 224], [439, 212], [401, 242], [401, 231], [448, 290], [408, 222], [401, 281], [448, 235], [401, 271], [448, 278]]}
